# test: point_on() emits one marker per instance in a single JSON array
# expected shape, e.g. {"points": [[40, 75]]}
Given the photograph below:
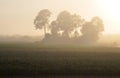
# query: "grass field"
{"points": [[37, 60]]}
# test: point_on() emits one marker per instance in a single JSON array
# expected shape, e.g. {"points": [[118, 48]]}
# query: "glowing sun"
{"points": [[111, 8], [111, 12]]}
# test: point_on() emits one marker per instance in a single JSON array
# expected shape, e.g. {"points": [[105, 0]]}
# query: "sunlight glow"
{"points": [[111, 8], [17, 15], [111, 11]]}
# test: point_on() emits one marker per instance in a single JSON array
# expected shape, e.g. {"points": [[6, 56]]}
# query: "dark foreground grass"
{"points": [[39, 60]]}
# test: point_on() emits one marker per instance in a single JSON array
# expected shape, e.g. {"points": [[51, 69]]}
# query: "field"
{"points": [[40, 60]]}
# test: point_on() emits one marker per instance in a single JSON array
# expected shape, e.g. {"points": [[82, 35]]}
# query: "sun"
{"points": [[111, 14], [113, 9], [110, 8]]}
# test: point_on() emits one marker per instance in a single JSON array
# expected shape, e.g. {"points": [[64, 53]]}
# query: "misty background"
{"points": [[16, 16]]}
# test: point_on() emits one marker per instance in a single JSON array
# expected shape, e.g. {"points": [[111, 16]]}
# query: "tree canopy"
{"points": [[69, 27], [41, 19]]}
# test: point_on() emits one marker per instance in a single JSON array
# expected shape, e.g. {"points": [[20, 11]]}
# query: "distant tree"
{"points": [[67, 25], [77, 23], [54, 28], [76, 34], [68, 22], [41, 20], [64, 22], [98, 22], [91, 30], [88, 29]]}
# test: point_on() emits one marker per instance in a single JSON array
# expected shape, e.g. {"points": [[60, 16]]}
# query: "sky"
{"points": [[16, 16]]}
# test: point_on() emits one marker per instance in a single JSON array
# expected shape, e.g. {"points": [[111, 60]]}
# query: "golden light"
{"points": [[111, 8], [111, 11]]}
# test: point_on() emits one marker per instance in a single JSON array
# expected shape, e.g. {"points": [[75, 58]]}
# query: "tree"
{"points": [[64, 22], [77, 20], [98, 23], [91, 30], [68, 22], [77, 23], [54, 28], [41, 20]]}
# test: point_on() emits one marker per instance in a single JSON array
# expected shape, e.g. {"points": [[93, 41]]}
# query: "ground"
{"points": [[41, 60]]}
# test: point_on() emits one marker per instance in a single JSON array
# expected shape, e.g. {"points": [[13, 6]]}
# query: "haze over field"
{"points": [[60, 37], [16, 16]]}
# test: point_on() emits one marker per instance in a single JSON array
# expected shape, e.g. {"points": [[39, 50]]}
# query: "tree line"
{"points": [[68, 28]]}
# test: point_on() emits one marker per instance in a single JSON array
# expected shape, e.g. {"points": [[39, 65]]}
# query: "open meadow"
{"points": [[40, 60]]}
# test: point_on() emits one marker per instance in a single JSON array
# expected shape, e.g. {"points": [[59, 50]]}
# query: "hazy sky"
{"points": [[16, 16]]}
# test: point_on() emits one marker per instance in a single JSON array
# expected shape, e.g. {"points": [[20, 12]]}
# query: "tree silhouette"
{"points": [[68, 22], [67, 28], [41, 20], [54, 28], [91, 30], [64, 20], [98, 23], [77, 23]]}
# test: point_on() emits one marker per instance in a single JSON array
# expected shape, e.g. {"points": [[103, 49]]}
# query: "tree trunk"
{"points": [[45, 30]]}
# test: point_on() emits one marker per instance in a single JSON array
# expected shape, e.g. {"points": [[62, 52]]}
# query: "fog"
{"points": [[105, 40], [59, 37], [17, 16]]}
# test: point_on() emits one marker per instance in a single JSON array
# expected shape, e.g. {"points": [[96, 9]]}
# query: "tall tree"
{"points": [[77, 23], [91, 30], [98, 22], [41, 20], [68, 22], [64, 22], [54, 28]]}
